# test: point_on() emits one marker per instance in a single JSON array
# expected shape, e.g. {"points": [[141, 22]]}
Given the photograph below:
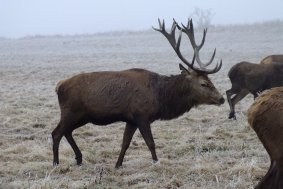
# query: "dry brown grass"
{"points": [[201, 149]]}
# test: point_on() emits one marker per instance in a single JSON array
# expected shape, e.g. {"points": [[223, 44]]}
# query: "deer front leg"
{"points": [[128, 135], [147, 136]]}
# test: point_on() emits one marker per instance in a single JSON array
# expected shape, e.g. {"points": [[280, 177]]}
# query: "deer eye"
{"points": [[204, 85]]}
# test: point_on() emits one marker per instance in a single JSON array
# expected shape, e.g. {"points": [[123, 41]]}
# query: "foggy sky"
{"points": [[20, 18]]}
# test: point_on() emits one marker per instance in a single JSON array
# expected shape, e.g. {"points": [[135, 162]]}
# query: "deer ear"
{"points": [[184, 70]]}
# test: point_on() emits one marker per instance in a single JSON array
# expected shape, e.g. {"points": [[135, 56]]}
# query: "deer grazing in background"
{"points": [[135, 96], [278, 58], [265, 117], [253, 78]]}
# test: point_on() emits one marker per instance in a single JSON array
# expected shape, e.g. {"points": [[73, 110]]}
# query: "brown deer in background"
{"points": [[253, 78], [135, 96], [278, 58], [265, 117]]}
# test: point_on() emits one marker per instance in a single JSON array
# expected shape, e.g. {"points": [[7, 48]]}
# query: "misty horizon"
{"points": [[70, 17]]}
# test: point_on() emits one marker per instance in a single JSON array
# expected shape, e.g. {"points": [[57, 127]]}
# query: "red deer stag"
{"points": [[265, 117], [278, 58], [252, 78], [135, 96]]}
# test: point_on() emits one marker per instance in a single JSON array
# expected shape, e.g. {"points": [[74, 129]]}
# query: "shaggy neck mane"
{"points": [[175, 97]]}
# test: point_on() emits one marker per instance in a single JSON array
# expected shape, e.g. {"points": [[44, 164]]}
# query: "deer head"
{"points": [[197, 76]]}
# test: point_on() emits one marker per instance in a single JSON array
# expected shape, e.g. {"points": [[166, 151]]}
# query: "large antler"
{"points": [[176, 45], [189, 30]]}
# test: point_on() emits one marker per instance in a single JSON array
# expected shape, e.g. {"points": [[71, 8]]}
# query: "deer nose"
{"points": [[221, 100]]}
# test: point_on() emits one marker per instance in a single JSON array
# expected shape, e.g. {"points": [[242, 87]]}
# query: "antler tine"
{"points": [[216, 69], [209, 62], [176, 45], [170, 36], [189, 30], [161, 26], [179, 27], [172, 40], [205, 70]]}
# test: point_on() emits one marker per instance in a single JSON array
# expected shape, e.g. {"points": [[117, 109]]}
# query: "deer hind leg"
{"points": [[128, 135], [74, 146], [56, 136], [65, 128], [239, 96], [229, 94], [145, 131]]}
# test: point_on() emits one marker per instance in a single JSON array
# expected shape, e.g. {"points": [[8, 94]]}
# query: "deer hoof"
{"points": [[156, 162], [79, 160], [232, 116]]}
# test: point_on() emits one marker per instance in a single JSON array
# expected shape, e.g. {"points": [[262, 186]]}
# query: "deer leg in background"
{"points": [[229, 93], [128, 135], [256, 94], [147, 136], [235, 100]]}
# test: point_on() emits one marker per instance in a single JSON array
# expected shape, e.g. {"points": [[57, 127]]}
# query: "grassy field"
{"points": [[201, 149]]}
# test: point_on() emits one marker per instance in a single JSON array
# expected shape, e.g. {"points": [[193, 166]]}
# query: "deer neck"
{"points": [[175, 97]]}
